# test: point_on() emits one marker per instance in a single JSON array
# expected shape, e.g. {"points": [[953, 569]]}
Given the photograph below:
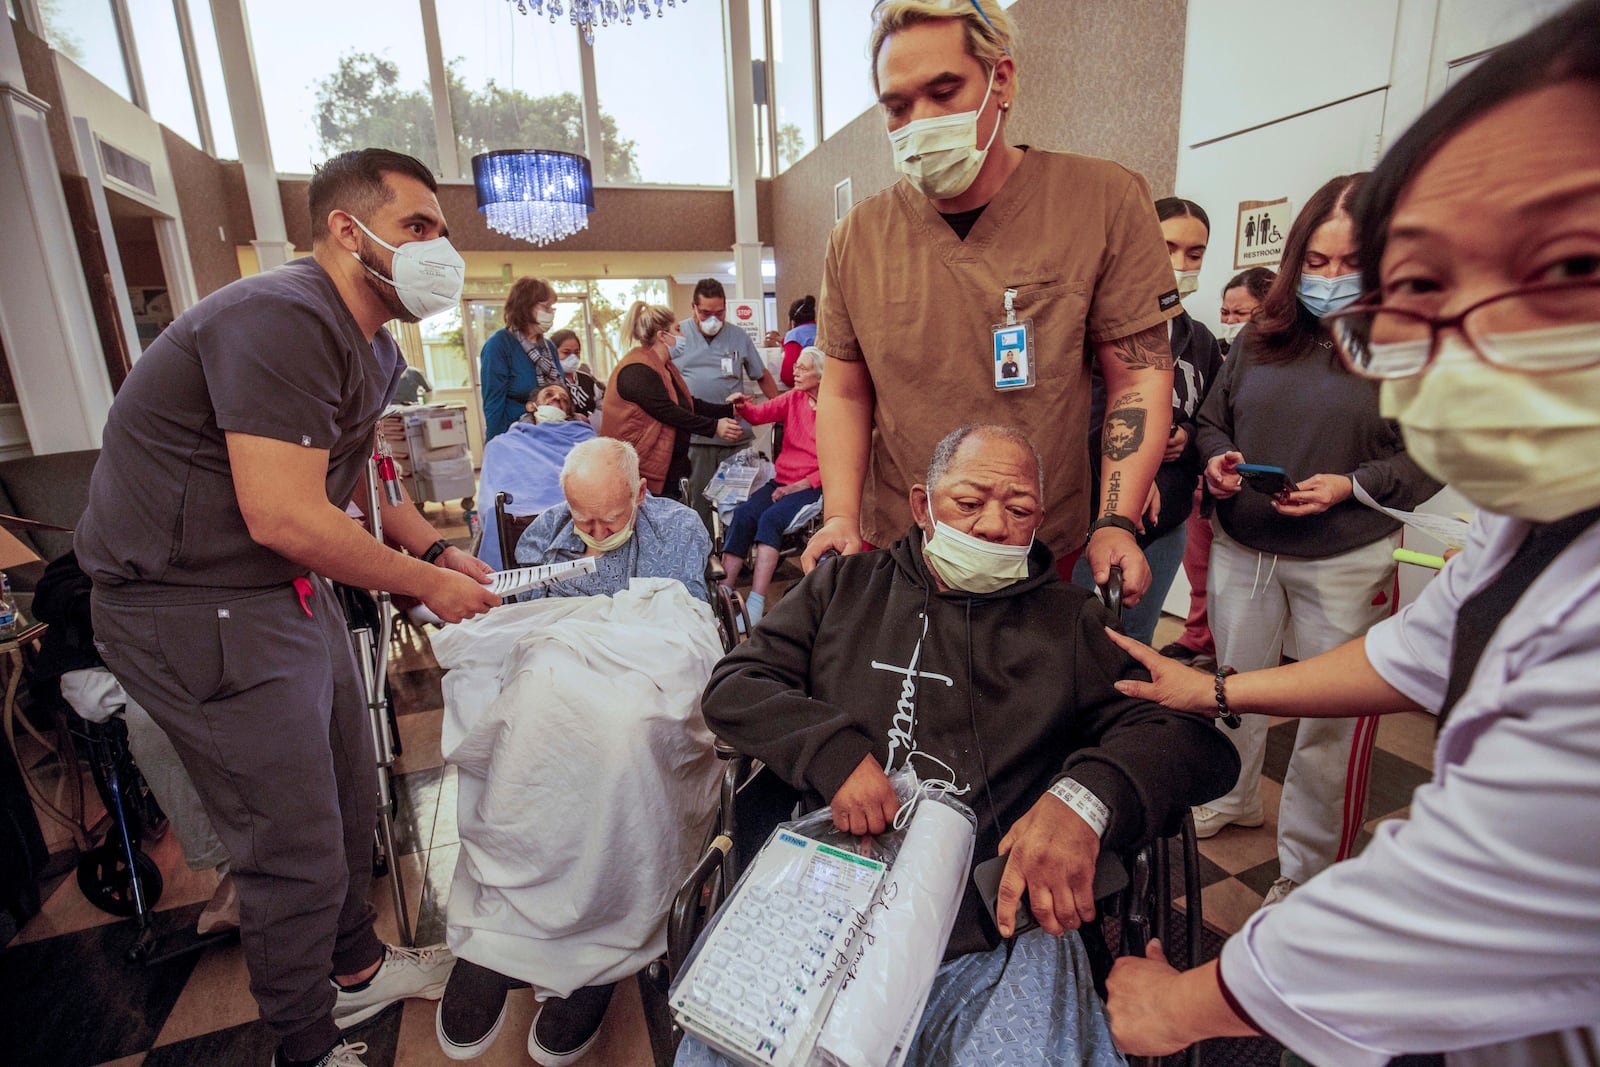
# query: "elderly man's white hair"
{"points": [[603, 455]]}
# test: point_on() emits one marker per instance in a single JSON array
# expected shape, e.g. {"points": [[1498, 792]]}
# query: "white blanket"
{"points": [[587, 781]]}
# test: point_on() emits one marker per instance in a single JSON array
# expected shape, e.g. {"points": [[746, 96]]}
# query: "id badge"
{"points": [[1013, 355], [727, 366]]}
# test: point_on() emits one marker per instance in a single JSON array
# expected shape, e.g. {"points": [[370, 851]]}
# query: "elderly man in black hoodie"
{"points": [[961, 653]]}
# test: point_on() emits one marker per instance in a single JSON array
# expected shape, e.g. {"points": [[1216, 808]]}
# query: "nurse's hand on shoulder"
{"points": [[1171, 683], [866, 803], [840, 534], [1315, 495], [454, 596], [1052, 855]]}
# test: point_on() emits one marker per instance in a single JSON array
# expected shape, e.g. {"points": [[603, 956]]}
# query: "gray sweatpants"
{"points": [[1256, 600], [267, 711]]}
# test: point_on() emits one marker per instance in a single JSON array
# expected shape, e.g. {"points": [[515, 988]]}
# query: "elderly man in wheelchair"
{"points": [[586, 775], [960, 653]]}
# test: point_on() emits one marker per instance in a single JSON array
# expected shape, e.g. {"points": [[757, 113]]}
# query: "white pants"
{"points": [[1257, 601]]}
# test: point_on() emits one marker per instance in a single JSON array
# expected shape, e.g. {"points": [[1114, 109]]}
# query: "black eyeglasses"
{"points": [[1538, 329]]}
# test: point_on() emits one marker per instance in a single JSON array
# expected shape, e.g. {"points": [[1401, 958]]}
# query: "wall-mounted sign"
{"points": [[749, 316], [843, 200], [1259, 238]]}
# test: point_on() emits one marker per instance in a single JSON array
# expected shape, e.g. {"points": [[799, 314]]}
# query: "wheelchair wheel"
{"points": [[107, 883]]}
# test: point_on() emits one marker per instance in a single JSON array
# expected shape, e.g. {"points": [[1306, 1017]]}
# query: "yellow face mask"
{"points": [[972, 564], [615, 541], [1524, 445]]}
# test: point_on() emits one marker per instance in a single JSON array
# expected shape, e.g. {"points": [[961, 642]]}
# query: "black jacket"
{"points": [[1014, 693]]}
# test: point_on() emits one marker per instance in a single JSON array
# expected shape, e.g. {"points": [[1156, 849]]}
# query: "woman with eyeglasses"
{"points": [[1302, 562], [1473, 927], [518, 361]]}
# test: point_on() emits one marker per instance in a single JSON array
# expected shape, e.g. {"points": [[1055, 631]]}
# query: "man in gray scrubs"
{"points": [[218, 500], [714, 359]]}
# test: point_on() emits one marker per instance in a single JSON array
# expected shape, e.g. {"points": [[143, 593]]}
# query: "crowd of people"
{"points": [[1435, 321]]}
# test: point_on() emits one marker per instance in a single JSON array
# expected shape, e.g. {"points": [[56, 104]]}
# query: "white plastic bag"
{"points": [[875, 1015]]}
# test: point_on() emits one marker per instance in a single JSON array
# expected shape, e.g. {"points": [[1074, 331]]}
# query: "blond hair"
{"points": [[989, 33], [644, 321]]}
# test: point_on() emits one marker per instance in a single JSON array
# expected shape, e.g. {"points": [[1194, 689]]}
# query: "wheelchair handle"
{"points": [[1111, 592]]}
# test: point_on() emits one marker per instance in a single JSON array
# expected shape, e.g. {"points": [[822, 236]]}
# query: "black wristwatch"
{"points": [[435, 550], [1110, 520]]}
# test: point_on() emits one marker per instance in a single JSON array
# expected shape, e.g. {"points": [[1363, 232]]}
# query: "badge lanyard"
{"points": [[1012, 349]]}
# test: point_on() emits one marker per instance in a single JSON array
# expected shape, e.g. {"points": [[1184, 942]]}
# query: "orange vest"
{"points": [[627, 421]]}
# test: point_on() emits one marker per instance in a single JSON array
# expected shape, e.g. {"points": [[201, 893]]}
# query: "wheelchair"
{"points": [[1134, 891]]}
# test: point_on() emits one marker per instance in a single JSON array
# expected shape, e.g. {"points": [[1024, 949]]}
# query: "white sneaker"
{"points": [[405, 972], [345, 1055], [1207, 821], [1280, 889]]}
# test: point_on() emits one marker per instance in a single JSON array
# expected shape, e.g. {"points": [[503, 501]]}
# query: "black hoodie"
{"points": [[1014, 691]]}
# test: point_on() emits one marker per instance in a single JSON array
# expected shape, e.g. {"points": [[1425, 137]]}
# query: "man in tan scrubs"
{"points": [[915, 291]]}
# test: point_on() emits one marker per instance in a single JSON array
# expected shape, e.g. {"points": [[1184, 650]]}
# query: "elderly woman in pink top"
{"points": [[798, 482]]}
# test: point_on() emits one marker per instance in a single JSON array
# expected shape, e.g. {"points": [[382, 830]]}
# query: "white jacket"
{"points": [[1476, 921], [587, 781]]}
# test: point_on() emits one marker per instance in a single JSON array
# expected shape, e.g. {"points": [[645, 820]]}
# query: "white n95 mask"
{"points": [[940, 156], [1524, 445], [711, 326], [972, 564], [427, 274]]}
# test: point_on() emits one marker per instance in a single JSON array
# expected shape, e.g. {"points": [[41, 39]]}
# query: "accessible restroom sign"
{"points": [[1260, 234]]}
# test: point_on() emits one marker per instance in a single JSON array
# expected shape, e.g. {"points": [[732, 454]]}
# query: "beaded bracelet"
{"points": [[1227, 717]]}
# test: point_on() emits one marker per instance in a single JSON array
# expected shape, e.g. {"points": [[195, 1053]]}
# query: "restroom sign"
{"points": [[1261, 233]]}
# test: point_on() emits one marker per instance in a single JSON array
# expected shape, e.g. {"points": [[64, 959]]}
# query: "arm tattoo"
{"points": [[1124, 428], [1145, 350], [1113, 493]]}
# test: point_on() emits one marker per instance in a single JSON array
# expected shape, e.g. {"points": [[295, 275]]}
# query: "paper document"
{"points": [[524, 578], [1451, 531]]}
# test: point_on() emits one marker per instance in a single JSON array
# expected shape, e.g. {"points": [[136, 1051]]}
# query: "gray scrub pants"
{"points": [[267, 711], [704, 459]]}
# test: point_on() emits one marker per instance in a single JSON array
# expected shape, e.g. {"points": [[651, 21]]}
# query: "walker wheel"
{"points": [[466, 503], [105, 880]]}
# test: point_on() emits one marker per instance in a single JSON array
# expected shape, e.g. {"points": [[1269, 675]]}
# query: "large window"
{"points": [[207, 55], [162, 66], [663, 83], [336, 76], [85, 31], [793, 80], [846, 74], [515, 80]]}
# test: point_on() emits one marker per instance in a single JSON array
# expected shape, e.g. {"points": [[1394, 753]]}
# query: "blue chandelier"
{"points": [[532, 194], [587, 14]]}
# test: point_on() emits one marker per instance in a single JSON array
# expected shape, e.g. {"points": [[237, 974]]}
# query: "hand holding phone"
{"points": [[1273, 481]]}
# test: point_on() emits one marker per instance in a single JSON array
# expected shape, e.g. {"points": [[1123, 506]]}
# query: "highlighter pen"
{"points": [[1421, 559]]}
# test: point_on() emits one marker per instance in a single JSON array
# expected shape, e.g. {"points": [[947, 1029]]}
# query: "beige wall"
{"points": [[1100, 78]]}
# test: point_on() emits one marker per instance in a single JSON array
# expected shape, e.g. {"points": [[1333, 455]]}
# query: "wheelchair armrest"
{"points": [[684, 924]]}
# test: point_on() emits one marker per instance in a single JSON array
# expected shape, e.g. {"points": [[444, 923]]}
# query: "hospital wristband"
{"points": [[1075, 795]]}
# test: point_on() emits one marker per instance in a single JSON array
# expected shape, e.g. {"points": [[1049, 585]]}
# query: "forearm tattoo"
{"points": [[1145, 350], [1113, 493], [1124, 428]]}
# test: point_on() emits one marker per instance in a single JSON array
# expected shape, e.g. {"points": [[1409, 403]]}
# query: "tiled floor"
{"points": [[68, 998]]}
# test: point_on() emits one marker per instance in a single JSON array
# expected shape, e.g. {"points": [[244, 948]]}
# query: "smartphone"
{"points": [[1273, 481], [986, 877]]}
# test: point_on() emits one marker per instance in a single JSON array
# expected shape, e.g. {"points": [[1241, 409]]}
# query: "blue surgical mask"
{"points": [[1323, 296]]}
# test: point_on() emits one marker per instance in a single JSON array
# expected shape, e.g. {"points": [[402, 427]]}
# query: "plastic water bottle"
{"points": [[473, 525], [8, 610]]}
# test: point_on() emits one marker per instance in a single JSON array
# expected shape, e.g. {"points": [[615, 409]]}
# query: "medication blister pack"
{"points": [[771, 965]]}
